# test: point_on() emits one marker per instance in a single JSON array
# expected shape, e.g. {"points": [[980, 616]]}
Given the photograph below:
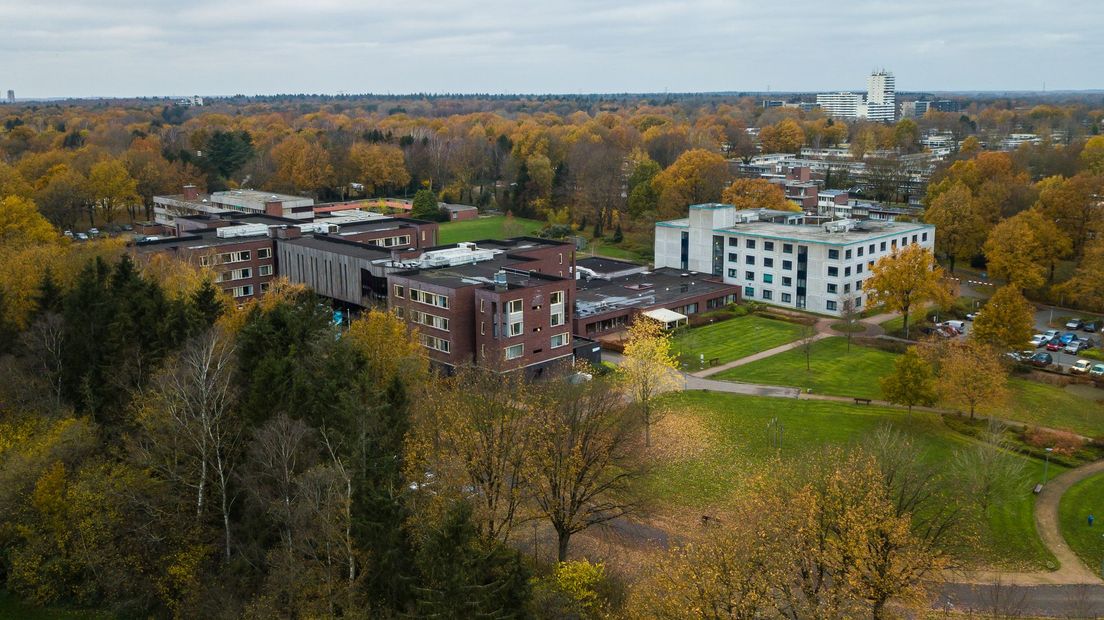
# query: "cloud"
{"points": [[129, 47]]}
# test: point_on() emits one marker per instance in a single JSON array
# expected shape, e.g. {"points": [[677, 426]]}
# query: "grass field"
{"points": [[1081, 500], [727, 441], [732, 339], [839, 373], [485, 228]]}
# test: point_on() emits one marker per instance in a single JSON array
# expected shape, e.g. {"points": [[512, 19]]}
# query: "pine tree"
{"points": [[207, 302], [50, 295]]}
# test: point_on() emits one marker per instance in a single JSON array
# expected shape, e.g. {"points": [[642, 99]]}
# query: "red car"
{"points": [[1054, 345]]}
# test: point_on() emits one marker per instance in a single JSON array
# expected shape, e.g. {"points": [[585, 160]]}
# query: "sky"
{"points": [[54, 48]]}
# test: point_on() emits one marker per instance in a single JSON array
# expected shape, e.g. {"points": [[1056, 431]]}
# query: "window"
{"points": [[859, 268], [787, 281], [833, 272], [846, 288], [768, 294], [860, 251], [870, 265], [734, 273], [768, 278], [749, 260], [560, 340], [204, 261], [561, 258], [749, 244], [871, 248], [858, 302], [429, 320], [847, 255], [264, 253], [846, 271], [400, 291], [914, 238], [733, 242], [749, 275], [733, 257], [787, 264], [432, 299], [556, 307], [749, 291], [833, 254], [858, 285], [832, 288], [924, 236], [831, 305], [515, 351], [768, 262], [787, 248], [514, 318], [400, 312], [482, 328], [883, 246], [768, 246], [266, 285], [435, 343], [242, 291], [482, 305], [787, 298], [264, 270]]}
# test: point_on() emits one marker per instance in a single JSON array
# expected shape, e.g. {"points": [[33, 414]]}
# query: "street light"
{"points": [[1046, 464]]}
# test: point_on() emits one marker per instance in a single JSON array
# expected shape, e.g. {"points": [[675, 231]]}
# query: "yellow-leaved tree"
{"points": [[1007, 321], [382, 337], [1087, 284], [970, 375], [650, 367], [961, 227], [757, 194], [697, 176], [1024, 248], [906, 278]]}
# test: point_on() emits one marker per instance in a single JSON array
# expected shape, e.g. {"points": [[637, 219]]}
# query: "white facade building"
{"points": [[778, 259], [841, 105], [880, 103]]}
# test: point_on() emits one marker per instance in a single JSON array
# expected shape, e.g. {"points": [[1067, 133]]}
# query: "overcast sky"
{"points": [[220, 47]]}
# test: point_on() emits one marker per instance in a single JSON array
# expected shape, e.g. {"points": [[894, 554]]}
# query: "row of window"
{"points": [[517, 350], [387, 242], [429, 320], [424, 297], [768, 295], [435, 343], [233, 257], [768, 246]]}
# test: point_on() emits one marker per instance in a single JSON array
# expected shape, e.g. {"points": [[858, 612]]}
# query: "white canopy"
{"points": [[669, 318]]}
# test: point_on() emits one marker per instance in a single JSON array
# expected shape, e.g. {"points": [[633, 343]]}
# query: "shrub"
{"points": [[1064, 443], [575, 589]]}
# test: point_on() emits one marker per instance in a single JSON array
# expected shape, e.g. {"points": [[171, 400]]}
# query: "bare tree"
{"points": [[989, 469], [850, 315], [281, 449], [45, 342], [584, 456], [190, 430]]}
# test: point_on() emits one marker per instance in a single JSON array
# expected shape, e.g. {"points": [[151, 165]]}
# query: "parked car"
{"points": [[1080, 367], [1039, 340], [1054, 345], [1067, 338], [1074, 324], [92, 232], [1089, 327], [1042, 360], [1051, 334], [972, 315], [1097, 371], [68, 233], [82, 236], [959, 325], [1076, 346]]}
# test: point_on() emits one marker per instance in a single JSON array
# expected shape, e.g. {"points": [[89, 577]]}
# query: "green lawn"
{"points": [[732, 339], [1081, 500], [839, 373], [735, 445], [485, 228], [834, 369]]}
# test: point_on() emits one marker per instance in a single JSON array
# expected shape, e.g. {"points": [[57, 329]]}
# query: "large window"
{"points": [[561, 340], [435, 343], [515, 351], [833, 254], [787, 264], [432, 299], [768, 262], [400, 290], [514, 318], [833, 272], [264, 270], [749, 244], [264, 253], [768, 246], [831, 305], [749, 291], [557, 309], [767, 294], [768, 278], [429, 320], [242, 291]]}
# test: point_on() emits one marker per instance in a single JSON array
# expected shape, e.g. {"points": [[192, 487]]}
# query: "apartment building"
{"points": [[503, 304], [777, 258], [191, 201]]}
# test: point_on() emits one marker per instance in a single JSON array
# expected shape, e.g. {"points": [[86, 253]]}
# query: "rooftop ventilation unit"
{"points": [[242, 230]]}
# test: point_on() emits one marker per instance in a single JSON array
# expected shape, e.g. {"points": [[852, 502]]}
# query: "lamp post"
{"points": [[1046, 464]]}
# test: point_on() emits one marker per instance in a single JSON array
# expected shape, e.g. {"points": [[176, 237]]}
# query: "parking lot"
{"points": [[1042, 324]]}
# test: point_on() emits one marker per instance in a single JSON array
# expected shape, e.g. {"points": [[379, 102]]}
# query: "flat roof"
{"points": [[660, 288], [599, 264], [337, 245], [817, 233], [258, 195], [481, 273], [194, 240]]}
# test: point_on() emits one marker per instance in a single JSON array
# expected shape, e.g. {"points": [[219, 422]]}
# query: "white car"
{"points": [[1051, 334], [1039, 340], [1080, 367]]}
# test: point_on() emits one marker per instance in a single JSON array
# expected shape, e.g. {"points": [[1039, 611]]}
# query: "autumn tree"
{"points": [[583, 456], [906, 278], [111, 188], [1007, 322], [302, 165], [1024, 248], [379, 167], [1072, 204], [911, 383], [21, 223], [1092, 155], [786, 136], [970, 375], [961, 228], [1087, 284], [757, 194], [650, 368], [697, 176]]}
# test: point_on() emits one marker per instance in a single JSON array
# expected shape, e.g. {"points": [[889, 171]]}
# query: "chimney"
{"points": [[191, 192], [288, 232], [274, 207]]}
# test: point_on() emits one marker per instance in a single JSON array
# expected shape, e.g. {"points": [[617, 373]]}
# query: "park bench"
{"points": [[862, 401], [1038, 489]]}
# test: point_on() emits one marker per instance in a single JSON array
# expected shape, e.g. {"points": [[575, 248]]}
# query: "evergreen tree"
{"points": [[50, 295], [618, 236], [425, 206], [207, 302]]}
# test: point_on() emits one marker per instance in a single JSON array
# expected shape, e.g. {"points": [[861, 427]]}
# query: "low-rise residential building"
{"points": [[242, 201], [777, 258]]}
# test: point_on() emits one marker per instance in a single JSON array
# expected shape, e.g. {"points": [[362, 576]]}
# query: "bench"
{"points": [[862, 401], [1038, 489]]}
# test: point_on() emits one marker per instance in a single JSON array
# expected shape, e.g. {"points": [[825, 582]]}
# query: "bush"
{"points": [[1064, 443], [575, 589]]}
